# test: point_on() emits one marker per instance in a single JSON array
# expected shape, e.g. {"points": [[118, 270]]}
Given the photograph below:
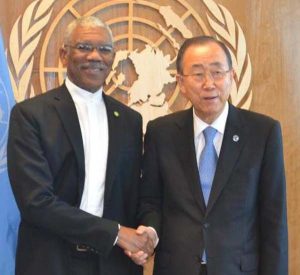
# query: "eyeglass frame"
{"points": [[215, 75], [89, 48]]}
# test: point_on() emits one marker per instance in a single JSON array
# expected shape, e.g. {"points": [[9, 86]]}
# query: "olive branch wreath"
{"points": [[229, 30], [21, 50], [38, 14], [23, 41], [3, 158], [3, 141]]}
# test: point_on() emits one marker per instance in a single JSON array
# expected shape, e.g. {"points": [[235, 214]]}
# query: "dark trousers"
{"points": [[203, 270]]}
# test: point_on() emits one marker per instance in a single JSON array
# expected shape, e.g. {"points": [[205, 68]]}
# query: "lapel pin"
{"points": [[235, 138], [116, 114]]}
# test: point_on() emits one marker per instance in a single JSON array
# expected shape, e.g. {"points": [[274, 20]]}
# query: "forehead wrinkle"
{"points": [[217, 63], [197, 66], [89, 42], [213, 64], [82, 34]]}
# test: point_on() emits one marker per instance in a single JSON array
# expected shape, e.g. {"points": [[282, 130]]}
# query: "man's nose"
{"points": [[94, 55], [208, 79]]}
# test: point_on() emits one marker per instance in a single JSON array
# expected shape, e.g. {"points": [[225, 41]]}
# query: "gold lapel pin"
{"points": [[116, 114]]}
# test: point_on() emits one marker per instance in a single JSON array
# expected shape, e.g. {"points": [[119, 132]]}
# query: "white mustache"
{"points": [[94, 65]]}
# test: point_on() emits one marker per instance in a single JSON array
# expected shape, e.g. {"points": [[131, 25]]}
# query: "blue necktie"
{"points": [[207, 166], [208, 162]]}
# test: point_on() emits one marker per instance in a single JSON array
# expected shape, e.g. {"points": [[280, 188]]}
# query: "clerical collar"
{"points": [[81, 94]]}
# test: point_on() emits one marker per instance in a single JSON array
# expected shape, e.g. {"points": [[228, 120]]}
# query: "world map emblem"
{"points": [[147, 37]]}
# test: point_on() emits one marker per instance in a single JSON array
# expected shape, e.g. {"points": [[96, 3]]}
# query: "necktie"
{"points": [[207, 166], [208, 162]]}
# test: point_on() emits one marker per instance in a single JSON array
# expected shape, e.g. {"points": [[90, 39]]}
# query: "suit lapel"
{"points": [[67, 112], [115, 118], [233, 142], [68, 115], [187, 155]]}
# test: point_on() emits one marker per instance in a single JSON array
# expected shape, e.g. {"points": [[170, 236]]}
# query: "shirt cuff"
{"points": [[156, 237], [119, 226]]}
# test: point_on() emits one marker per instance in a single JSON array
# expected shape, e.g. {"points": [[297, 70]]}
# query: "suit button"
{"points": [[206, 225]]}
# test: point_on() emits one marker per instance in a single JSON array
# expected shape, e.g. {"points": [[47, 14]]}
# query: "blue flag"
{"points": [[9, 214]]}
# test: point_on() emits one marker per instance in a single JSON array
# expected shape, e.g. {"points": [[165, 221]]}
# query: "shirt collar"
{"points": [[79, 94], [218, 124]]}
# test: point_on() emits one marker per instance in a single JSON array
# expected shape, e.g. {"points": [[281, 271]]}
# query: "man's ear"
{"points": [[179, 80], [63, 54]]}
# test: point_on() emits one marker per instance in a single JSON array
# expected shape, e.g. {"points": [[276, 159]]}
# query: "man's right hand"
{"points": [[140, 257], [131, 241]]}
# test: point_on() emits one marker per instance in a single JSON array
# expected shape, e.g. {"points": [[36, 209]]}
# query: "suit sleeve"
{"points": [[272, 210], [32, 182], [151, 186]]}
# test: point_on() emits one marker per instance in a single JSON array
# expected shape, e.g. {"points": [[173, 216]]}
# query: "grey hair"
{"points": [[85, 21], [200, 40]]}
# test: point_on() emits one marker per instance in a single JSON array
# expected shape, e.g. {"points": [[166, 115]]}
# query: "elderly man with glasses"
{"points": [[74, 158], [213, 183]]}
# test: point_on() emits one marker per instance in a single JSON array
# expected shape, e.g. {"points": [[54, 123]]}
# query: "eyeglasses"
{"points": [[88, 48], [215, 75]]}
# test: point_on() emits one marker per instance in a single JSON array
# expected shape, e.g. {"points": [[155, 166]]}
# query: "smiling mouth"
{"points": [[94, 67], [210, 97], [94, 70]]}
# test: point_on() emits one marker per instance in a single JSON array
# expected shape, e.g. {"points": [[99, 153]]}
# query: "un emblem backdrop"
{"points": [[147, 37]]}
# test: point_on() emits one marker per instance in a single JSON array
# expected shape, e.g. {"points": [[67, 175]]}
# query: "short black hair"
{"points": [[200, 40]]}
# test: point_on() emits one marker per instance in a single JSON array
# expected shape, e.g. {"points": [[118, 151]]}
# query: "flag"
{"points": [[9, 214]]}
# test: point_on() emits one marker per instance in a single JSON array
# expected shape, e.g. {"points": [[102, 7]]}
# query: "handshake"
{"points": [[138, 244]]}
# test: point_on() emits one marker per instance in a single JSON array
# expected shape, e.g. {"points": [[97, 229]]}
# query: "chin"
{"points": [[94, 86]]}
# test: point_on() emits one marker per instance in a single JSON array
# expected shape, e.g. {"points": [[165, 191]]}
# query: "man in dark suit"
{"points": [[74, 164], [234, 223]]}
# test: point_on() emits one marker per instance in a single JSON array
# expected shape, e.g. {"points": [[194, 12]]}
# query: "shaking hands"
{"points": [[138, 244]]}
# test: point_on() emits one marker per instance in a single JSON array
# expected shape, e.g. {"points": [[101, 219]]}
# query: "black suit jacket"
{"points": [[46, 170], [243, 228]]}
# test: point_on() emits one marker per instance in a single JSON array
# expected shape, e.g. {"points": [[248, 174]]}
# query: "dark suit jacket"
{"points": [[46, 170], [244, 227]]}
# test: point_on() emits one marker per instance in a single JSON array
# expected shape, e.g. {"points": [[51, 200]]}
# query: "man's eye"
{"points": [[105, 49], [216, 73], [84, 47]]}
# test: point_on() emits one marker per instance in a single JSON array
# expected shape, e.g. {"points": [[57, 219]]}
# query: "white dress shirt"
{"points": [[199, 139], [199, 125], [93, 122]]}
